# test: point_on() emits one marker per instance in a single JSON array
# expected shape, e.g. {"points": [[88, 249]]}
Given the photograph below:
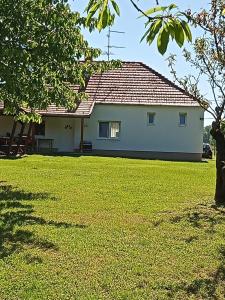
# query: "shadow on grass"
{"points": [[211, 286], [208, 286], [11, 157], [202, 216], [206, 220], [112, 155], [15, 215]]}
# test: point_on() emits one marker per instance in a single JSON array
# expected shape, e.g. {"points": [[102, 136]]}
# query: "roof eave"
{"points": [[149, 104]]}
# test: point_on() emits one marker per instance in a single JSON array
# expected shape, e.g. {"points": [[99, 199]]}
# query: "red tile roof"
{"points": [[132, 84], [136, 83], [83, 110]]}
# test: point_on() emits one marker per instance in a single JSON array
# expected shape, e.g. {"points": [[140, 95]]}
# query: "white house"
{"points": [[131, 111]]}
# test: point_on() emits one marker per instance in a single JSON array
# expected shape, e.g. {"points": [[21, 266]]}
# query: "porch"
{"points": [[54, 134]]}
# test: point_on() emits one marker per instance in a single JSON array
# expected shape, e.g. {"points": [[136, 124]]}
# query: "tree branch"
{"points": [[144, 14], [141, 11]]}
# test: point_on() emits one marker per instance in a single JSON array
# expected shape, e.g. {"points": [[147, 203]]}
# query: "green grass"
{"points": [[109, 228]]}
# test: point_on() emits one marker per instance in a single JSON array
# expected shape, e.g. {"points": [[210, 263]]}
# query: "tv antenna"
{"points": [[109, 46]]}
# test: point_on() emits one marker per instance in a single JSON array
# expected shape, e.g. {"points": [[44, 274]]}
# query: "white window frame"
{"points": [[109, 137], [184, 114], [153, 114]]}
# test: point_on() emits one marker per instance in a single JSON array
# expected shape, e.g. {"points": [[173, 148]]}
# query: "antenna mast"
{"points": [[109, 46]]}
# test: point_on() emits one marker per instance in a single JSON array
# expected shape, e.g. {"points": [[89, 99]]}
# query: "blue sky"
{"points": [[134, 29]]}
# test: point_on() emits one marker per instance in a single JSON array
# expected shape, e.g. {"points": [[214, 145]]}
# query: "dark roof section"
{"points": [[132, 84]]}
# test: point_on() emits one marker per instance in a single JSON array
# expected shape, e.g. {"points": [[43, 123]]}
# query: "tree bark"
{"points": [[28, 138], [220, 164], [12, 137], [20, 139]]}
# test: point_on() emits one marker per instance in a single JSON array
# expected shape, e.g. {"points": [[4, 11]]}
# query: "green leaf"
{"points": [[153, 10], [187, 30], [146, 33], [90, 5], [163, 40], [179, 33], [94, 7], [91, 13], [105, 17], [170, 27], [152, 31], [116, 7], [172, 6]]}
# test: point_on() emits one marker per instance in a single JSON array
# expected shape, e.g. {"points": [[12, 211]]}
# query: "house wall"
{"points": [[166, 136], [165, 139], [61, 130]]}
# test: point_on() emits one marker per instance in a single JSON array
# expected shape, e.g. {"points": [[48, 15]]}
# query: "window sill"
{"points": [[108, 139], [181, 125]]}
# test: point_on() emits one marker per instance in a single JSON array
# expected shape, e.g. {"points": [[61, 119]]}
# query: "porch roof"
{"points": [[83, 110]]}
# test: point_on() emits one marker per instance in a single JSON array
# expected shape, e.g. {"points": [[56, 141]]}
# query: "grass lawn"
{"points": [[109, 228]]}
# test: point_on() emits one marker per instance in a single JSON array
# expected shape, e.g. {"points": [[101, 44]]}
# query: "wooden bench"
{"points": [[15, 149]]}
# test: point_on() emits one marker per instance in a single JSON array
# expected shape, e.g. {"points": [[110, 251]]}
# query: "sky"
{"points": [[134, 29]]}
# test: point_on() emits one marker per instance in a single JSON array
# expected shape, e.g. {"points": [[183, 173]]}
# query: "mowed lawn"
{"points": [[109, 228]]}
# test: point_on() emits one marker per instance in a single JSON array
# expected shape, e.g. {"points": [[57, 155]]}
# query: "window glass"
{"points": [[104, 129], [109, 130], [151, 118], [115, 130], [183, 119]]}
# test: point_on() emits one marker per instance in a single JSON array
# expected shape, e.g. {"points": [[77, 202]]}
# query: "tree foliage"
{"points": [[162, 22], [207, 138], [41, 47], [208, 60], [105, 11]]}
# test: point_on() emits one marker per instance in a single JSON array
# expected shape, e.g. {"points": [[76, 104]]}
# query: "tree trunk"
{"points": [[28, 138], [19, 150], [220, 164], [12, 137]]}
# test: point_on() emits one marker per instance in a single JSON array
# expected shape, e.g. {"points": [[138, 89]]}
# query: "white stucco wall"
{"points": [[56, 128], [136, 135], [61, 130]]}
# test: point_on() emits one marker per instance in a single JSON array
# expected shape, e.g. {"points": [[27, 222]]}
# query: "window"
{"points": [[114, 129], [151, 118], [109, 130], [104, 129], [39, 129], [183, 119]]}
